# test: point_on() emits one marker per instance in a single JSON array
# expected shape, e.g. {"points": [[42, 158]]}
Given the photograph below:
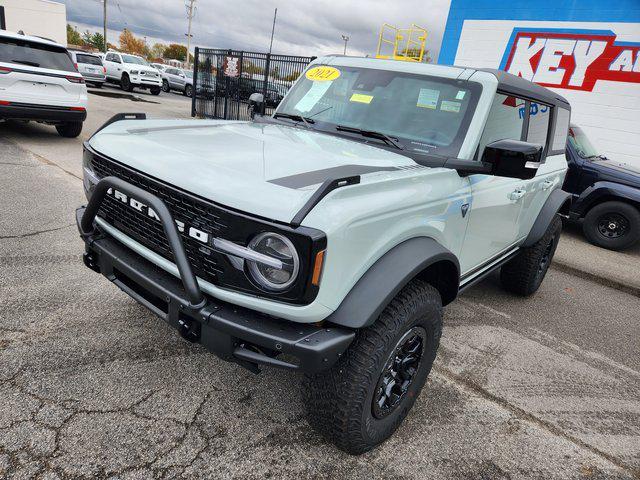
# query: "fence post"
{"points": [[267, 66], [195, 80]]}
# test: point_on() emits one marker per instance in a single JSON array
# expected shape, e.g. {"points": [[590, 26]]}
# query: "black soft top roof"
{"points": [[525, 88]]}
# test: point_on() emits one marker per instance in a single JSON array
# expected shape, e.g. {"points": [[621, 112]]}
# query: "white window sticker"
{"points": [[315, 93], [460, 95], [428, 98], [447, 106]]}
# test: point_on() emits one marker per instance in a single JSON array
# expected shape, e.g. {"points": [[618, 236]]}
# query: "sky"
{"points": [[308, 28]]}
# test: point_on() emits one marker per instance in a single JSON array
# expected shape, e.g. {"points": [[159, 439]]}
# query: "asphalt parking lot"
{"points": [[92, 385]]}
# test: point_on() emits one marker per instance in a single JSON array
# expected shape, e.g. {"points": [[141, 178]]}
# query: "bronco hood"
{"points": [[268, 170]]}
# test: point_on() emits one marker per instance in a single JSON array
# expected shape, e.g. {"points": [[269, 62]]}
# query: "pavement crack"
{"points": [[44, 160], [545, 425], [31, 234]]}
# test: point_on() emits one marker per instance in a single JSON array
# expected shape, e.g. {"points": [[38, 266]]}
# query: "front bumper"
{"points": [[144, 82], [43, 113], [232, 333]]}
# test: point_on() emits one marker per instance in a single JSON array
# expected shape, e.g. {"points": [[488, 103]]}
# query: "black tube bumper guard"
{"points": [[233, 333]]}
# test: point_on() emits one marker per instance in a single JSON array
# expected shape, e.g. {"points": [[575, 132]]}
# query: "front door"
{"points": [[496, 206], [494, 218]]}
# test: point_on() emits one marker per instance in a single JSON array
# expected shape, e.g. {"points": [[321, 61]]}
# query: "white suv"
{"points": [[131, 71], [90, 66], [38, 81], [177, 79], [327, 237]]}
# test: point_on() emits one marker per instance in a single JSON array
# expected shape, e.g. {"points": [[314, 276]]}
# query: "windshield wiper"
{"points": [[26, 62], [295, 118], [371, 134]]}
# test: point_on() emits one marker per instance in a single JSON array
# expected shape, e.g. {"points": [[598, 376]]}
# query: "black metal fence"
{"points": [[224, 79]]}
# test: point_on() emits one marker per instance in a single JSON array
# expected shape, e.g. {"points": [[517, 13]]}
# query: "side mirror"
{"points": [[256, 102], [513, 159]]}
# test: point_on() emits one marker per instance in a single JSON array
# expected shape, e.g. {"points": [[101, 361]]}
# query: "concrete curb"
{"points": [[128, 96], [607, 282]]}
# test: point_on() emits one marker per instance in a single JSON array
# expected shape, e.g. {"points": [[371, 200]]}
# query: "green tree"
{"points": [[176, 51], [157, 50], [73, 36], [95, 40]]}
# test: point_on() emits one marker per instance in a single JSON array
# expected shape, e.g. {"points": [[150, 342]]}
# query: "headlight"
{"points": [[134, 72], [89, 178], [279, 247]]}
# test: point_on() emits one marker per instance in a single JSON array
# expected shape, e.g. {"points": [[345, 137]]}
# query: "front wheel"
{"points": [[155, 90], [69, 129], [125, 83], [188, 91], [363, 399], [165, 86], [613, 225], [524, 273]]}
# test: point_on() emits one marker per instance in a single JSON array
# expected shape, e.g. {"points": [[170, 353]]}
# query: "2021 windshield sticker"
{"points": [[322, 74]]}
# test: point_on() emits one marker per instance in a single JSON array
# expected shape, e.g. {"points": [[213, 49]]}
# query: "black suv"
{"points": [[606, 194]]}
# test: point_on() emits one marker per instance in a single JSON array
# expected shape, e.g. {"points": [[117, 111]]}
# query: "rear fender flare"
{"points": [[390, 273]]}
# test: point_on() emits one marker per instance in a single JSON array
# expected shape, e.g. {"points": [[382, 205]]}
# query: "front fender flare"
{"points": [[598, 190], [389, 274], [557, 199]]}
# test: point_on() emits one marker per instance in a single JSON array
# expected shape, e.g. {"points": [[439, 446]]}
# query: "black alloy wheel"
{"points": [[613, 225], [399, 372]]}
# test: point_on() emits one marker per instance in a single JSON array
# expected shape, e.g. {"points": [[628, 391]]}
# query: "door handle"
{"points": [[517, 194], [547, 184]]}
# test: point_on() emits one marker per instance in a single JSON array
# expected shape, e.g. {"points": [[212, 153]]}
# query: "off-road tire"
{"points": [[69, 129], [155, 90], [623, 212], [339, 401], [165, 86], [125, 83], [524, 273], [188, 91]]}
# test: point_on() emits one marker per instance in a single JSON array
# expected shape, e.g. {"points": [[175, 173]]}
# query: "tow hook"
{"points": [[90, 261], [189, 329]]}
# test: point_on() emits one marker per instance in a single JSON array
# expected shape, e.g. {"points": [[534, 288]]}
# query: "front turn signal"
{"points": [[317, 268]]}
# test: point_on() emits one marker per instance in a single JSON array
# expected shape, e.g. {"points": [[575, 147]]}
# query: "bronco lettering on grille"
{"points": [[199, 235]]}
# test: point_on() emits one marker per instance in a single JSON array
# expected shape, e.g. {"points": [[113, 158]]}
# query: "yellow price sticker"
{"points": [[361, 98], [322, 74]]}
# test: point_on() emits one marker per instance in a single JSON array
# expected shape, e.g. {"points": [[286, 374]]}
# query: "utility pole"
{"points": [[273, 29], [190, 13], [346, 39], [105, 25]]}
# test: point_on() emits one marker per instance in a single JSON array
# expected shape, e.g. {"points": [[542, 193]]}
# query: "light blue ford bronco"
{"points": [[328, 237]]}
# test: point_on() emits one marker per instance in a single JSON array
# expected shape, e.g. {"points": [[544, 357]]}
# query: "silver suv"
{"points": [[328, 237]]}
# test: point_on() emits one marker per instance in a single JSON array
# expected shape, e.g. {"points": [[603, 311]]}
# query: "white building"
{"points": [[588, 51], [43, 18]]}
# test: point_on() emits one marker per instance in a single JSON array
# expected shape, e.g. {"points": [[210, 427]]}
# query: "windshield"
{"points": [[35, 54], [189, 74], [581, 143], [132, 59], [424, 114]]}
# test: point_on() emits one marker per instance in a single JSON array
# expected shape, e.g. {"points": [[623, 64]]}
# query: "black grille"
{"points": [[211, 218], [149, 231]]}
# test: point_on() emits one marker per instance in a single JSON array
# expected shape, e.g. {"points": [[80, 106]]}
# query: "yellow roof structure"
{"points": [[405, 44]]}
